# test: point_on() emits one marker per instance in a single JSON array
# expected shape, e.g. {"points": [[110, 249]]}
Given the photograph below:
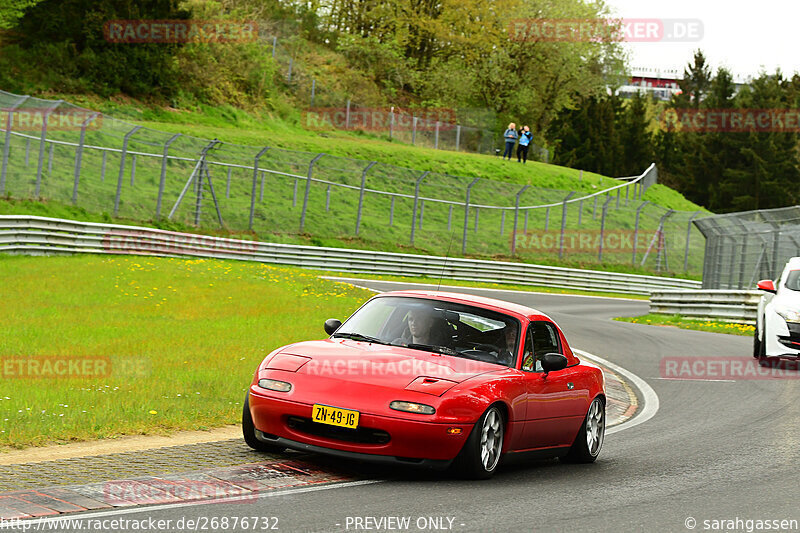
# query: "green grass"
{"points": [[332, 221], [685, 323], [182, 337]]}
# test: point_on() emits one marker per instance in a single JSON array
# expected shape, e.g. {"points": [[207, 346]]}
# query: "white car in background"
{"points": [[777, 331]]}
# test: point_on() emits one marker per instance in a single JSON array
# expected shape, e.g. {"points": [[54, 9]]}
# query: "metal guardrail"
{"points": [[33, 235], [728, 306]]}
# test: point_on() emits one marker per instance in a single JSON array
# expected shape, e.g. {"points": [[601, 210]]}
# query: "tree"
{"points": [[12, 10], [696, 79]]}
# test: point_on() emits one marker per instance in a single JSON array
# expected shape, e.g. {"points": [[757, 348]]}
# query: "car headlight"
{"points": [[410, 407], [274, 384], [788, 314]]}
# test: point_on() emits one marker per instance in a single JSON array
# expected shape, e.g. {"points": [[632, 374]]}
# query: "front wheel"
{"points": [[480, 455], [249, 431], [590, 438]]}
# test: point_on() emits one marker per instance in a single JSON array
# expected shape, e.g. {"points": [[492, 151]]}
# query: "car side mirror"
{"points": [[552, 362], [331, 325], [767, 285]]}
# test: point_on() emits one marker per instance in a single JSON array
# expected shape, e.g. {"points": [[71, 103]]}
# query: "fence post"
{"points": [[7, 145], [274, 45], [253, 190], [289, 75], [618, 194], [594, 208], [391, 123], [436, 138], [421, 212], [313, 88], [361, 193], [525, 228], [413, 130], [133, 167], [308, 190], [466, 217], [328, 198], [450, 218], [50, 154], [228, 183], [688, 235], [162, 182], [636, 231], [563, 223], [458, 136], [546, 218], [416, 200], [27, 152], [294, 194], [122, 166], [103, 167], [391, 212], [502, 221], [347, 116], [603, 227], [477, 216], [79, 156], [42, 142], [580, 212]]}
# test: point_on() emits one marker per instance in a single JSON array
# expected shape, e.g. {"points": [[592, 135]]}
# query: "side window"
{"points": [[541, 338], [545, 339]]}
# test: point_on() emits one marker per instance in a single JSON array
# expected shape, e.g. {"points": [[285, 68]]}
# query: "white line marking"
{"points": [[706, 380], [446, 287], [649, 396], [230, 499]]}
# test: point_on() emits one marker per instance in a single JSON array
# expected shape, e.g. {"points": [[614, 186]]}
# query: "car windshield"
{"points": [[447, 328], [793, 280]]}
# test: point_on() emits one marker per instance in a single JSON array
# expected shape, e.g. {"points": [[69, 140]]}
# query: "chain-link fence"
{"points": [[743, 248], [57, 151], [467, 130]]}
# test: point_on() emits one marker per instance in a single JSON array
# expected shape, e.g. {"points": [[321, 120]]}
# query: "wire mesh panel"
{"points": [[742, 248]]}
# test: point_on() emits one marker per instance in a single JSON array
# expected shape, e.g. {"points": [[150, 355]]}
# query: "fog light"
{"points": [[274, 384], [454, 431]]}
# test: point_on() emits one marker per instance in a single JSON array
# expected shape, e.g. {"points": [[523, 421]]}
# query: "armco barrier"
{"points": [[729, 306], [34, 235]]}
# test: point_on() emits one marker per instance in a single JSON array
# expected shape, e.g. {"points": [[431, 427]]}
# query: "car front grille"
{"points": [[360, 435]]}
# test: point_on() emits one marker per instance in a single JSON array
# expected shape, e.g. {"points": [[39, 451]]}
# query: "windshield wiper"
{"points": [[359, 337], [432, 348]]}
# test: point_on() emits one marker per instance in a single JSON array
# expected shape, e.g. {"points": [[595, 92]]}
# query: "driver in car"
{"points": [[422, 329]]}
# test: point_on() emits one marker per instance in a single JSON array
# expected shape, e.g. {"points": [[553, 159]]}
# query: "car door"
{"points": [[553, 400]]}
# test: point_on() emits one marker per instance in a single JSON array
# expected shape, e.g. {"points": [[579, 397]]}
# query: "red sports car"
{"points": [[430, 379]]}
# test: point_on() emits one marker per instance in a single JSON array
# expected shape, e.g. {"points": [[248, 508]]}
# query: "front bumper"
{"points": [[433, 464], [409, 442]]}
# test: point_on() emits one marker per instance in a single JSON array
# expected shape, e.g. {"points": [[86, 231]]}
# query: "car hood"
{"points": [[376, 364]]}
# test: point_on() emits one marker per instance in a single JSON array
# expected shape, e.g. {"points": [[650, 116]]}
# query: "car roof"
{"points": [[482, 301], [793, 262]]}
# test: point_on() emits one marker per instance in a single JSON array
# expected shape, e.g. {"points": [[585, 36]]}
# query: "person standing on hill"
{"points": [[510, 136], [525, 137]]}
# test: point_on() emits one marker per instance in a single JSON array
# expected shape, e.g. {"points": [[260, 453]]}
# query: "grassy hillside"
{"points": [[332, 214]]}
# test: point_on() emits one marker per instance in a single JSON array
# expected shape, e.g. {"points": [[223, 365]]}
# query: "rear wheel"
{"points": [[590, 438], [249, 431], [480, 455]]}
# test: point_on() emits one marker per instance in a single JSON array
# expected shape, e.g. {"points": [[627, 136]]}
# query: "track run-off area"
{"points": [[702, 455]]}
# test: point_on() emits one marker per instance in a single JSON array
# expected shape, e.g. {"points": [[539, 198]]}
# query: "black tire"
{"points": [[757, 344], [471, 463], [581, 450], [249, 432]]}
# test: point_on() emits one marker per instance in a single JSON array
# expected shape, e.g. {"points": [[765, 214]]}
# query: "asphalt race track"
{"points": [[715, 450]]}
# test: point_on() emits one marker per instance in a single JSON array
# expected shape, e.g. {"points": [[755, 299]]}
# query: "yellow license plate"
{"points": [[334, 416]]}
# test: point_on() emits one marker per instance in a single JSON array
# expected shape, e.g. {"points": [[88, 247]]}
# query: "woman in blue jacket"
{"points": [[510, 137], [525, 137]]}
